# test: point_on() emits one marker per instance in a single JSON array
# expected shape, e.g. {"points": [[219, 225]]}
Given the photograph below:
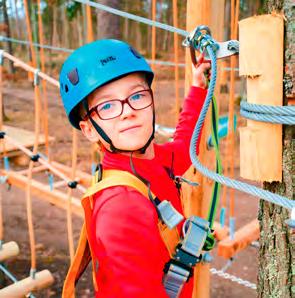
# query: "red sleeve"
{"points": [[126, 225], [179, 147]]}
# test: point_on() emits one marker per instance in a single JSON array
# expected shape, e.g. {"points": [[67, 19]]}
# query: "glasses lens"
{"points": [[140, 100], [109, 109]]}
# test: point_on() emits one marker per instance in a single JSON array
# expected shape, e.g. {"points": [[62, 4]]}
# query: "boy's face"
{"points": [[133, 128]]}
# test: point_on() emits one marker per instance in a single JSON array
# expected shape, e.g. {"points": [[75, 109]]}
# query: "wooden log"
{"points": [[219, 231], [41, 191], [261, 142], [9, 250], [227, 248], [43, 279]]}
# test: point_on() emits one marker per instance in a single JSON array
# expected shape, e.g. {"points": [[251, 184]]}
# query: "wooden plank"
{"points": [[261, 143], [40, 190], [227, 248], [84, 178], [220, 232], [25, 137]]}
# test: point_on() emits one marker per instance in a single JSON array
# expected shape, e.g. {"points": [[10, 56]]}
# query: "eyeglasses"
{"points": [[113, 108]]}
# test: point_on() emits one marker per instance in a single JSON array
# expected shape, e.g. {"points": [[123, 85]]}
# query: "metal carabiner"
{"points": [[200, 38]]}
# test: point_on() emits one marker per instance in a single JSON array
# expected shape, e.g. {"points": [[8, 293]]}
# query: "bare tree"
{"points": [[277, 246], [108, 25]]}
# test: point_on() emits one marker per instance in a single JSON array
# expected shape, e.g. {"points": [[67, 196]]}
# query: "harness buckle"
{"points": [[169, 215]]}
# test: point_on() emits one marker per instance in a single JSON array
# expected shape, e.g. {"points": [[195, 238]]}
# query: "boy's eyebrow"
{"points": [[132, 87]]}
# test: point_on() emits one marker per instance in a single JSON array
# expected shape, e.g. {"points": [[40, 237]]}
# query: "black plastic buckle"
{"points": [[183, 266], [72, 184], [185, 258], [2, 134], [35, 157]]}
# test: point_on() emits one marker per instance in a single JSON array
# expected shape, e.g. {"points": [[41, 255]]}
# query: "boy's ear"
{"points": [[88, 131]]}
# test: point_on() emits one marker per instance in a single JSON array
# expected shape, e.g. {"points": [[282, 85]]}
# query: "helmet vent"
{"points": [[66, 88], [135, 53], [73, 76]]}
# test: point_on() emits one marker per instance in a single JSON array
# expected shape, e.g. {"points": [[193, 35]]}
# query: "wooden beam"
{"points": [[220, 232], [43, 279], [84, 178], [227, 248], [261, 142], [8, 250], [41, 191], [25, 137]]}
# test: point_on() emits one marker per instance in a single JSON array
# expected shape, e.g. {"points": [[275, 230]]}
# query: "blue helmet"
{"points": [[94, 65]]}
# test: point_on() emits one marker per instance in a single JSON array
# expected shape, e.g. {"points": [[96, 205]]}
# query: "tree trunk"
{"points": [[277, 245], [8, 34], [108, 25]]}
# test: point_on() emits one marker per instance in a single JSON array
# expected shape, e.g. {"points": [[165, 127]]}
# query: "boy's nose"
{"points": [[127, 111]]}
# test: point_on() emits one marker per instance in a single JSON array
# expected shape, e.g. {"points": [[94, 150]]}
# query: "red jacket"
{"points": [[127, 244]]}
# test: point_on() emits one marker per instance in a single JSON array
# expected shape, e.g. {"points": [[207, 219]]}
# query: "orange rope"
{"points": [[89, 39], [69, 200], [44, 85], [35, 147], [231, 140], [2, 143], [154, 12], [89, 24], [176, 60]]}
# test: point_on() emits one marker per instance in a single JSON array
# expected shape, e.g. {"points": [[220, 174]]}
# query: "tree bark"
{"points": [[277, 245], [108, 25]]}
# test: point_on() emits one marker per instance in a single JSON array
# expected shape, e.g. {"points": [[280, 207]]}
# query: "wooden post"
{"points": [[196, 200], [261, 142]]}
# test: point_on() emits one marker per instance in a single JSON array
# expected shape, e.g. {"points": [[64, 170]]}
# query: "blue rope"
{"points": [[244, 187], [222, 216], [6, 163], [268, 113]]}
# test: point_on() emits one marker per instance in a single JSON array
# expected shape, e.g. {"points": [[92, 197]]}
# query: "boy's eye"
{"points": [[136, 96], [105, 106]]}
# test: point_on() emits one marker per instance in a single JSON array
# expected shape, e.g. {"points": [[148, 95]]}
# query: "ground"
{"points": [[50, 222]]}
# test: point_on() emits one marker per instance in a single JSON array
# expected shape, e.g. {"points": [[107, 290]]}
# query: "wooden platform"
{"points": [[25, 137], [227, 248]]}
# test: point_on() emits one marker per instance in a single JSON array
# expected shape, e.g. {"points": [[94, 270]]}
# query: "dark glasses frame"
{"points": [[122, 101]]}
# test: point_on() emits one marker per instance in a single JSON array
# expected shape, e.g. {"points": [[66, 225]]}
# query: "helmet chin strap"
{"points": [[113, 149]]}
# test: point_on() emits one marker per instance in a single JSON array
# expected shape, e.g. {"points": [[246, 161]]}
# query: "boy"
{"points": [[106, 92]]}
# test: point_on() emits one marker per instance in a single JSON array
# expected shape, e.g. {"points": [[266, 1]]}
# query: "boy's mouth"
{"points": [[129, 128]]}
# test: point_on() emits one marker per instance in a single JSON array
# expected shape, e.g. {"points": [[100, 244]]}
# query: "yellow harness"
{"points": [[84, 252]]}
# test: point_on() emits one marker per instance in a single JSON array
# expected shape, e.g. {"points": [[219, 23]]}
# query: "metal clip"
{"points": [[196, 230], [200, 38], [170, 216], [36, 77], [1, 56]]}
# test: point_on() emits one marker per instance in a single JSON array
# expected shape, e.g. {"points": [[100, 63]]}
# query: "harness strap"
{"points": [[188, 253], [83, 253]]}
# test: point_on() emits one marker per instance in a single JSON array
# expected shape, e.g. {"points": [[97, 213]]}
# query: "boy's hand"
{"points": [[202, 68]]}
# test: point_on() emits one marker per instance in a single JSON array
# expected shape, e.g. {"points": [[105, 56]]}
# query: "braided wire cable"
{"points": [[135, 17], [61, 49], [268, 113], [241, 186], [233, 278]]}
